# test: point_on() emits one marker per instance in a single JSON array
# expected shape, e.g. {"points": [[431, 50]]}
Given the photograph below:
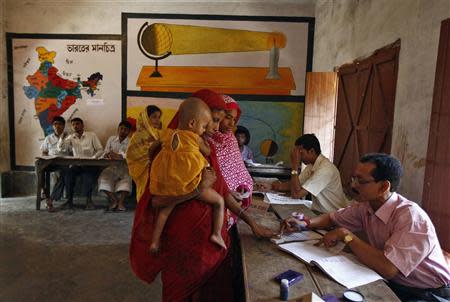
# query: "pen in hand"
{"points": [[281, 229]]}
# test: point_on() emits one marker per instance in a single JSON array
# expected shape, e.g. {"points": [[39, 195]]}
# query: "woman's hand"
{"points": [[236, 195], [292, 224], [262, 232]]}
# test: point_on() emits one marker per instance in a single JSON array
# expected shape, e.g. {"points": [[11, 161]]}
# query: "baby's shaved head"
{"points": [[192, 108]]}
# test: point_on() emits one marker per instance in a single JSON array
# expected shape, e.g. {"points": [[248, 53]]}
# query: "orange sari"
{"points": [[137, 154]]}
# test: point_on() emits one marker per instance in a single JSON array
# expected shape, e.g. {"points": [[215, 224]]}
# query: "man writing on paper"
{"points": [[320, 177], [403, 245]]}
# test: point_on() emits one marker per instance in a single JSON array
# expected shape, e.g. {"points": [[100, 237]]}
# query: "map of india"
{"points": [[52, 94]]}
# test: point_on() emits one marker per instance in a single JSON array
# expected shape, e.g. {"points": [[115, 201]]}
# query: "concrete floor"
{"points": [[71, 255]]}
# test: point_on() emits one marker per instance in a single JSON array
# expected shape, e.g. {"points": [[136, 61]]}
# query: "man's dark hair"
{"points": [[125, 124], [59, 119], [241, 129], [308, 142], [152, 109], [76, 119], [387, 167]]}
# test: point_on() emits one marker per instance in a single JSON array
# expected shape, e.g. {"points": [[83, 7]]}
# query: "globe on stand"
{"points": [[155, 42]]}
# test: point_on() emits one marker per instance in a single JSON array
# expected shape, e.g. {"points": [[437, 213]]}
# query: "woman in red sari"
{"points": [[192, 268]]}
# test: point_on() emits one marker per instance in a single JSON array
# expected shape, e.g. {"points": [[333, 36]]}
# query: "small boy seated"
{"points": [[177, 169], [243, 138]]}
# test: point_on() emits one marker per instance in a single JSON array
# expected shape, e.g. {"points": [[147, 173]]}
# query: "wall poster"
{"points": [[59, 74], [260, 61]]}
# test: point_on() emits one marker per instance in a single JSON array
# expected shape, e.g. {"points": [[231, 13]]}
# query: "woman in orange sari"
{"points": [[192, 268], [146, 134]]}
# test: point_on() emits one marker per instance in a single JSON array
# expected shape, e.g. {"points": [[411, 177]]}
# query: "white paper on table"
{"points": [[274, 198], [297, 236], [344, 268]]}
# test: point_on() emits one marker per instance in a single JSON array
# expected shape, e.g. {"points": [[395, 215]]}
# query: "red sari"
{"points": [[187, 258], [191, 266]]}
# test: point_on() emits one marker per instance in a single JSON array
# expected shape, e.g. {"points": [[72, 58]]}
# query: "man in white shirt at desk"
{"points": [[82, 144], [320, 177], [115, 178], [50, 148]]}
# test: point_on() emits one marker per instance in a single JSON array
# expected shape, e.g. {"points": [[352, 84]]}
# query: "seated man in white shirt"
{"points": [[82, 144], [115, 178], [320, 177], [50, 147]]}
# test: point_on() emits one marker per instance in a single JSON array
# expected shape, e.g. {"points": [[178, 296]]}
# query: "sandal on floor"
{"points": [[49, 206], [111, 209], [121, 210]]}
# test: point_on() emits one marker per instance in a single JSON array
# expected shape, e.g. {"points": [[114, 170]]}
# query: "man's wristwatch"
{"points": [[348, 238], [294, 172]]}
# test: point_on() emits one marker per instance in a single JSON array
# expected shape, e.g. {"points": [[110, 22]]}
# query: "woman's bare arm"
{"points": [[259, 230]]}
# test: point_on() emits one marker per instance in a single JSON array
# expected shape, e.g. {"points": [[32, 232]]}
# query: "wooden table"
{"points": [[262, 261], [45, 165]]}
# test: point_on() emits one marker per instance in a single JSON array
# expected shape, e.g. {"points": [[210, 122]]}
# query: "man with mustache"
{"points": [[403, 246]]}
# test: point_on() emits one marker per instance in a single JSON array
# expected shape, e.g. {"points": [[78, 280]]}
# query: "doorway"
{"points": [[365, 109]]}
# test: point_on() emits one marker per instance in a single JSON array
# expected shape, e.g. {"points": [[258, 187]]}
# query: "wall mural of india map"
{"points": [[61, 75], [52, 94]]}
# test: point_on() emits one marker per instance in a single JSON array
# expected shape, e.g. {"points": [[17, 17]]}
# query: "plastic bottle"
{"points": [[284, 290]]}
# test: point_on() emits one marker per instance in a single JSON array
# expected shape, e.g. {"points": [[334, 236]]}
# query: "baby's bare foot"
{"points": [[154, 248], [217, 239]]}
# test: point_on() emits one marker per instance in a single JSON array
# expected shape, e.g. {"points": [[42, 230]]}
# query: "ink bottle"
{"points": [[284, 290]]}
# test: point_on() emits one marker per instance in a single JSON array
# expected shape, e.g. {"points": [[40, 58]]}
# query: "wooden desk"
{"points": [[43, 167], [375, 291], [262, 260]]}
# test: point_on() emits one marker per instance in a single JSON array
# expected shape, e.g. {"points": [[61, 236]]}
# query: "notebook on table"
{"points": [[343, 267]]}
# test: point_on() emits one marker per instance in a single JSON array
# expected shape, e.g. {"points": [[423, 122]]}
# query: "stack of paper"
{"points": [[274, 198]]}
